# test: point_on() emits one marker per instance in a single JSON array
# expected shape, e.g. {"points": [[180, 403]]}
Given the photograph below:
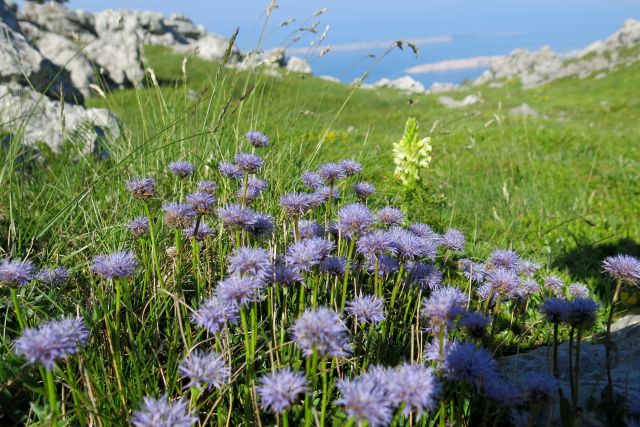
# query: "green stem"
{"points": [[16, 307], [154, 248], [51, 393], [608, 345]]}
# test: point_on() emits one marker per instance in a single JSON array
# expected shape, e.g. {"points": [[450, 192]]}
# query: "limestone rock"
{"points": [[438, 87], [405, 83], [298, 65], [50, 122], [449, 102], [523, 110]]}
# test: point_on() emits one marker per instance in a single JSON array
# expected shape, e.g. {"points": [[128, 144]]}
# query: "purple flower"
{"points": [[504, 258], [284, 275], [115, 265], [355, 219], [502, 281], [254, 262], [262, 225], [425, 231], [309, 229], [474, 271], [413, 387], [181, 169], [54, 276], [367, 309], [466, 362], [214, 313], [443, 306], [139, 226], [365, 401], [578, 290], [248, 163], [424, 276], [389, 216], [141, 188], [375, 243], [178, 215], [208, 187], [331, 172], [16, 273], [202, 203], [525, 289], [623, 267], [554, 284], [408, 245], [239, 290], [321, 195], [51, 341], [503, 393], [528, 268], [554, 309], [539, 387], [205, 369], [581, 313], [237, 216], [453, 239], [203, 232], [320, 330], [350, 167], [162, 413], [257, 139], [296, 204], [255, 187], [474, 322], [633, 404], [280, 390], [307, 253], [432, 349], [364, 190], [335, 266], [230, 170], [312, 180], [386, 264]]}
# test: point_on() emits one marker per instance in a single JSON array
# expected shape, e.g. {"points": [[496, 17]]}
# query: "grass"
{"points": [[561, 189]]}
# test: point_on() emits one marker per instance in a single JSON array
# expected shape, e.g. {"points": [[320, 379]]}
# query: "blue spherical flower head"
{"points": [[257, 139], [320, 331], [282, 274], [115, 265], [453, 239], [466, 362], [389, 216], [200, 234], [408, 245], [248, 163], [335, 266], [178, 215], [554, 309], [425, 231], [539, 387], [354, 220], [474, 323], [525, 289], [230, 170], [307, 253], [365, 401], [502, 281], [350, 167], [581, 313], [181, 169], [141, 188], [578, 290], [503, 393], [331, 172], [237, 216], [554, 284], [623, 267], [15, 273], [364, 190], [208, 187], [296, 204], [414, 388], [139, 226], [432, 349], [54, 276], [443, 306], [205, 370], [254, 262], [214, 314], [239, 290], [504, 258], [312, 180], [202, 203], [309, 229], [262, 225], [474, 271], [51, 341], [386, 264], [528, 268], [375, 244], [367, 309], [255, 187], [424, 276], [163, 413], [321, 195], [281, 390]]}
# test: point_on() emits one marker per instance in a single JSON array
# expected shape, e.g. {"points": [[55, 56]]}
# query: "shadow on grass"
{"points": [[584, 262]]}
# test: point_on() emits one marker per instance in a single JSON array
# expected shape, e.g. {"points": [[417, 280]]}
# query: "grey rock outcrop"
{"points": [[449, 102], [438, 87], [406, 83], [35, 118], [298, 65], [523, 110]]}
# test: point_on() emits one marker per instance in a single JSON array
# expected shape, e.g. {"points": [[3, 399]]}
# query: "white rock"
{"points": [[210, 47], [298, 65], [523, 110], [438, 87], [405, 83], [39, 119], [330, 79], [449, 102]]}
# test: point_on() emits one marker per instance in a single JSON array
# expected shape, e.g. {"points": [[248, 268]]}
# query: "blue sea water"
{"points": [[465, 28]]}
